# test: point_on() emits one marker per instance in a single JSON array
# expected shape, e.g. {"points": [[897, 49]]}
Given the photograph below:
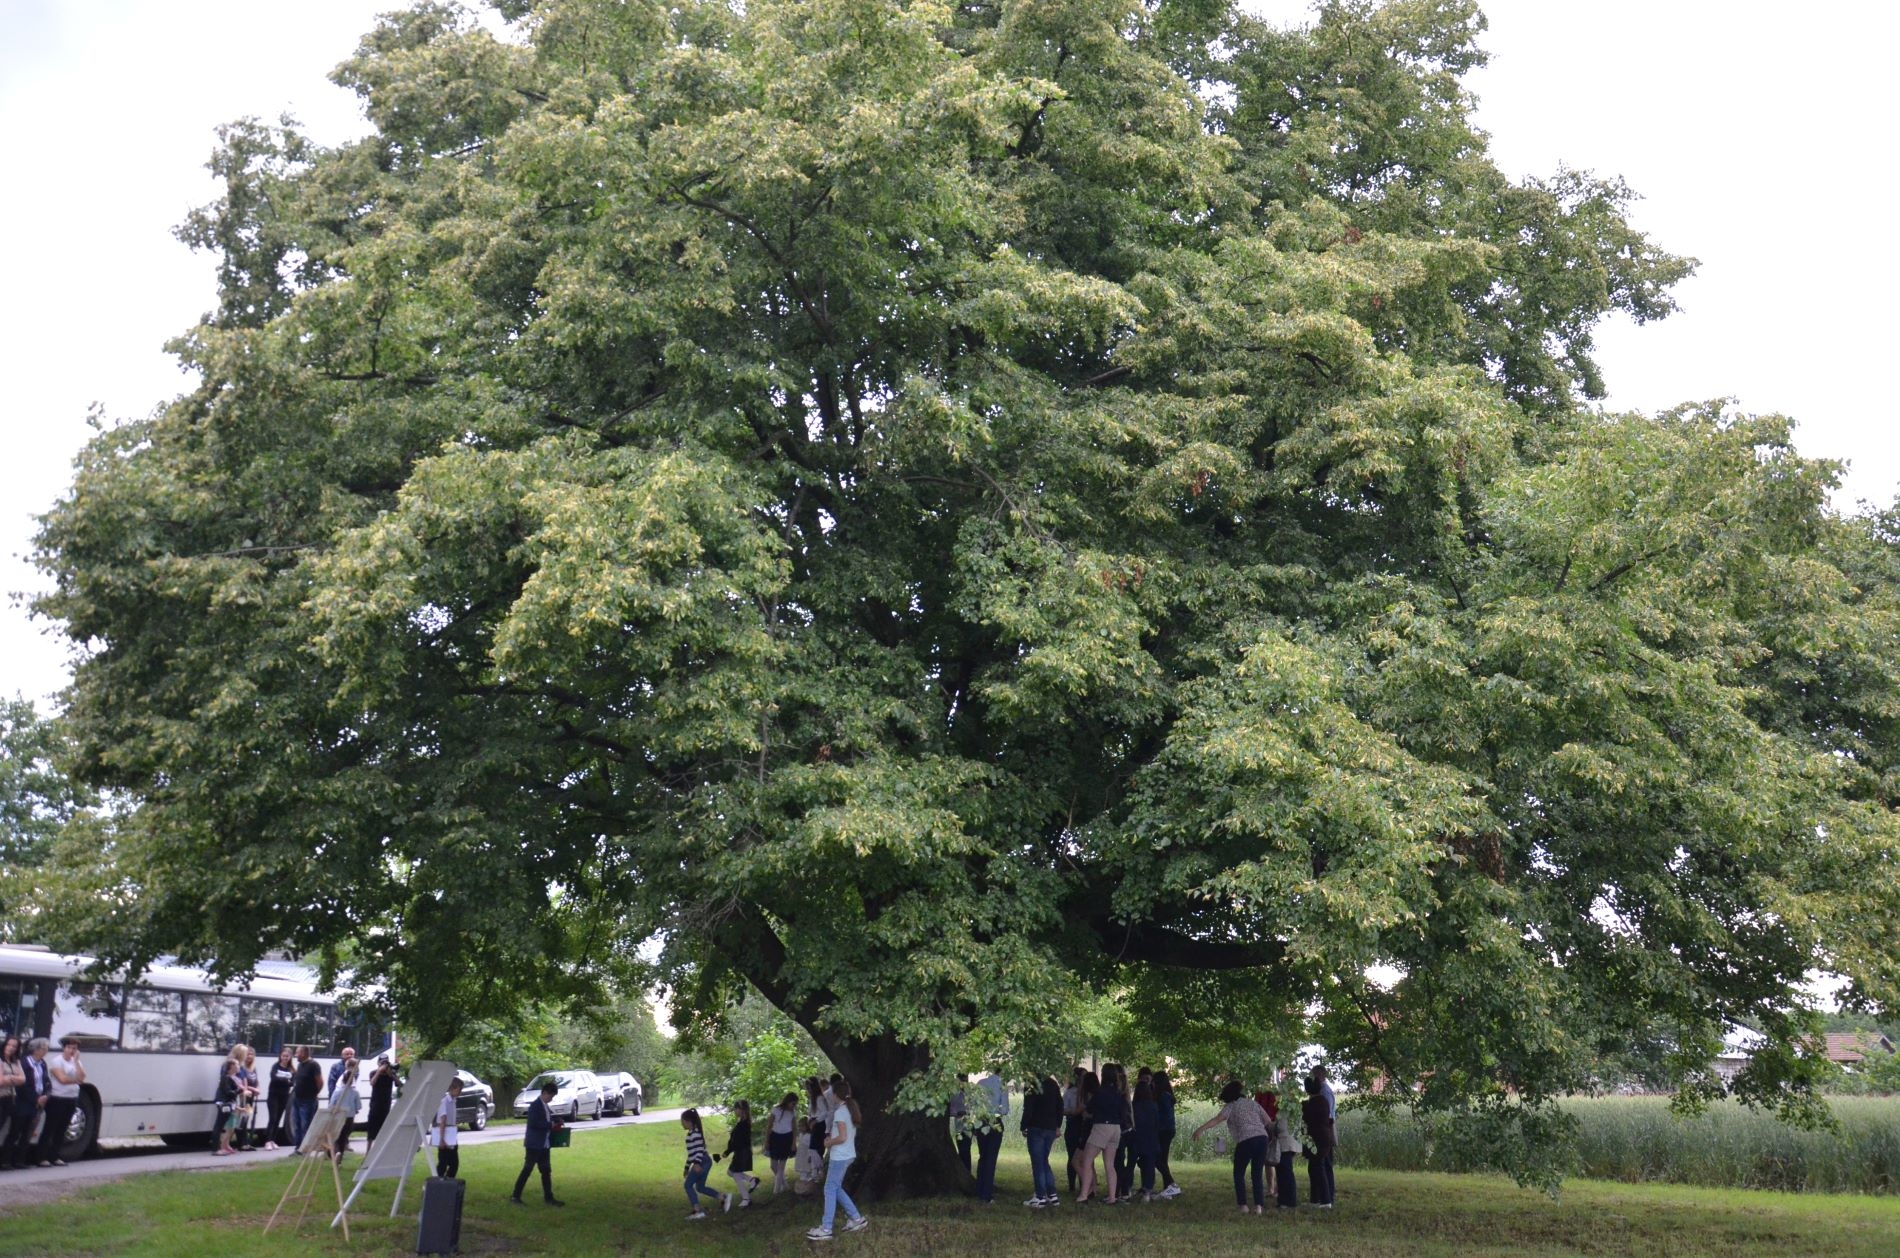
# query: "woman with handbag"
{"points": [[245, 1138]]}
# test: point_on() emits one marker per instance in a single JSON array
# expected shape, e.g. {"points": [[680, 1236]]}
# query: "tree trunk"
{"points": [[900, 1153]]}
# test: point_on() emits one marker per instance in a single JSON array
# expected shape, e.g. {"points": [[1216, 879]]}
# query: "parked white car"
{"points": [[577, 1094], [624, 1094]]}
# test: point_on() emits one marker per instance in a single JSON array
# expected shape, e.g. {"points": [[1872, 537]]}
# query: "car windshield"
{"points": [[559, 1081]]}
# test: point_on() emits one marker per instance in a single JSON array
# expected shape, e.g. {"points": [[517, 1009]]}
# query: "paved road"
{"points": [[119, 1158]]}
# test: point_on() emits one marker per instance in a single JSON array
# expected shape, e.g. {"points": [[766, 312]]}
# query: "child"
{"points": [[229, 1089], [445, 1135], [781, 1136], [738, 1154], [698, 1166]]}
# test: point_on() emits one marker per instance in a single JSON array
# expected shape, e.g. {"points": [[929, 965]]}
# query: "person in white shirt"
{"points": [[842, 1146], [62, 1098], [448, 1152], [348, 1101], [781, 1138]]}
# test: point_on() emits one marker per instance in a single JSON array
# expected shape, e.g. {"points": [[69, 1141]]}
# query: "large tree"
{"points": [[919, 508]]}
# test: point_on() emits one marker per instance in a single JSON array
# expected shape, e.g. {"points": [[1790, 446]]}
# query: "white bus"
{"points": [[153, 1049]]}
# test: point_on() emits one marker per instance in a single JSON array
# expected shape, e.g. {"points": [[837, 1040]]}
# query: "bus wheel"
{"points": [[82, 1133]]}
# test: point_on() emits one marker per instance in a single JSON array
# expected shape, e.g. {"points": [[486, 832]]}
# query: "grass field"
{"points": [[622, 1190]]}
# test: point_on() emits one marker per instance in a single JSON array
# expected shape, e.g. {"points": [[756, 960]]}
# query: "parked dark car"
{"points": [[476, 1103], [622, 1091]]}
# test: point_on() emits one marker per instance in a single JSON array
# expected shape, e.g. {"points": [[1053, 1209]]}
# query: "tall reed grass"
{"points": [[1638, 1139]]}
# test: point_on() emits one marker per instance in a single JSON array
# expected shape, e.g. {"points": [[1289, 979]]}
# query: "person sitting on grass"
{"points": [[842, 1145], [698, 1166]]}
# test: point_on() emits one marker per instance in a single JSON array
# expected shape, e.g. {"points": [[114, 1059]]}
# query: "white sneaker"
{"points": [[725, 1202], [818, 1234], [1034, 1203], [1171, 1191], [858, 1224]]}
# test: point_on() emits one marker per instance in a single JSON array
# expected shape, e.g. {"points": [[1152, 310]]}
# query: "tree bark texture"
{"points": [[901, 1153]]}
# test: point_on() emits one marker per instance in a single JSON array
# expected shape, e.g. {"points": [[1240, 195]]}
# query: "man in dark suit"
{"points": [[536, 1143]]}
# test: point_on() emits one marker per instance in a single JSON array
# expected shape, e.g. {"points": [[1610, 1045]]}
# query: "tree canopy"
{"points": [[925, 509]]}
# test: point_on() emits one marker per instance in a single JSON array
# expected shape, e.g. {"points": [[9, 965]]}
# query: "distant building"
{"points": [[1849, 1049]]}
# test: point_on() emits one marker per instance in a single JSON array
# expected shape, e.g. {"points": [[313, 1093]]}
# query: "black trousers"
{"points": [[377, 1117], [1287, 1181], [278, 1104], [1319, 1177], [1164, 1140], [19, 1135], [536, 1159], [448, 1161], [1250, 1155], [59, 1112]]}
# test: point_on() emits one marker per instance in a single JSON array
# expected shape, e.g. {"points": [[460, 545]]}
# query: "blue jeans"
{"points": [[696, 1182], [1251, 1154], [1041, 1140], [301, 1115], [835, 1193]]}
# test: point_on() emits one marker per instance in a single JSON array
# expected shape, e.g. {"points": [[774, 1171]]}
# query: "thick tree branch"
{"points": [[1161, 945]]}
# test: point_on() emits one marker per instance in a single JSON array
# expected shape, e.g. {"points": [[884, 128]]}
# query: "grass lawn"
{"points": [[622, 1190]]}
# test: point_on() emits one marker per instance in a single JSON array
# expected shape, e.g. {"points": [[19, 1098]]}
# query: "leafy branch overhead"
{"points": [[911, 508]]}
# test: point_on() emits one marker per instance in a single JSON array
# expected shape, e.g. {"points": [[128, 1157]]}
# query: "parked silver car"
{"points": [[577, 1094]]}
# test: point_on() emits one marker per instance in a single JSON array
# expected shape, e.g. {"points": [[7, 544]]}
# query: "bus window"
{"points": [[153, 1021], [211, 1023], [87, 1012], [308, 1025], [16, 1012], [260, 1023]]}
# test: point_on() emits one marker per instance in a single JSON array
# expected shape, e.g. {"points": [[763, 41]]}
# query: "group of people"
{"points": [[293, 1089], [1263, 1135], [821, 1145], [1129, 1126], [37, 1098]]}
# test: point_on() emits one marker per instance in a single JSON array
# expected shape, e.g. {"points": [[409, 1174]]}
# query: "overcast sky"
{"points": [[1757, 138]]}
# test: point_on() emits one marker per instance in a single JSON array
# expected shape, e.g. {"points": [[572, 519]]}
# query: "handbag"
{"points": [[560, 1138]]}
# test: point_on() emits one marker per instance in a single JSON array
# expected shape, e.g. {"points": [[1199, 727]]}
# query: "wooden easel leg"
{"points": [[295, 1176], [341, 1209]]}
